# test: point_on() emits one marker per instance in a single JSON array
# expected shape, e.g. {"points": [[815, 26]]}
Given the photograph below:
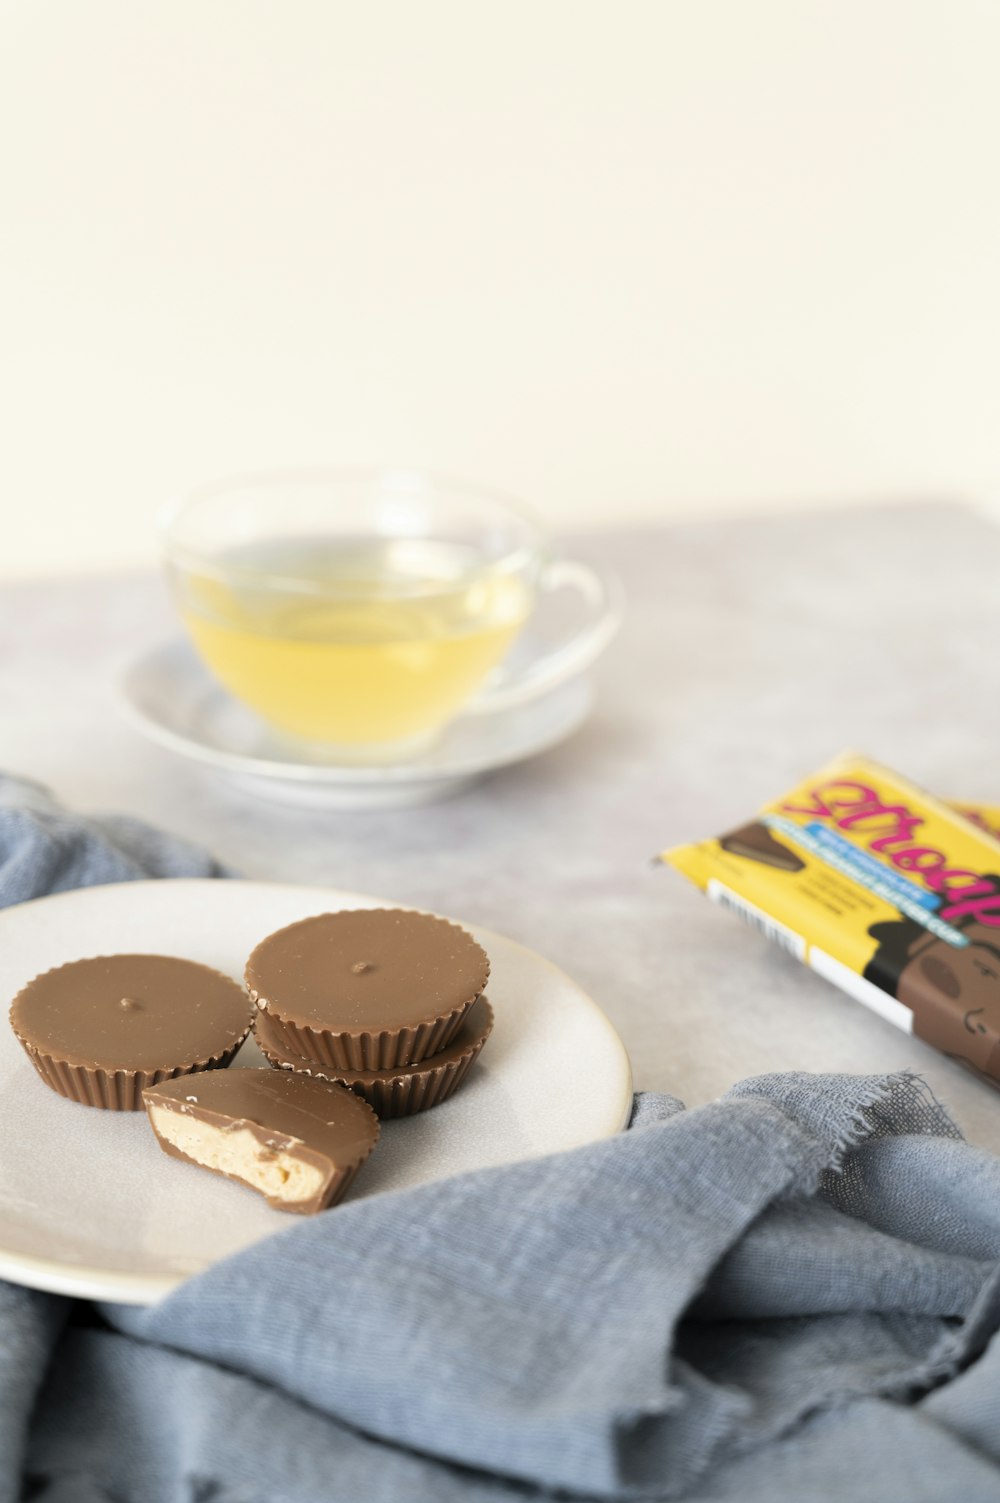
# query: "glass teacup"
{"points": [[358, 611]]}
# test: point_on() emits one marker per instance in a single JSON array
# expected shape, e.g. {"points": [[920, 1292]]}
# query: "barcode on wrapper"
{"points": [[778, 934]]}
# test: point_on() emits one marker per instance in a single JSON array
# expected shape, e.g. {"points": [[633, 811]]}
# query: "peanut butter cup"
{"points": [[366, 989], [298, 1142], [405, 1090], [99, 1031]]}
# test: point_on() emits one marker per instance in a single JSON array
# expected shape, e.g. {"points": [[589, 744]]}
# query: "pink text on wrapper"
{"points": [[890, 829]]}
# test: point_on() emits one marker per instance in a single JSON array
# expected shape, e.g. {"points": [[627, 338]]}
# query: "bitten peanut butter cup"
{"points": [[99, 1031], [366, 989], [405, 1090], [296, 1141]]}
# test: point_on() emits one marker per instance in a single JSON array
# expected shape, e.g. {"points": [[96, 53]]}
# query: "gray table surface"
{"points": [[753, 651]]}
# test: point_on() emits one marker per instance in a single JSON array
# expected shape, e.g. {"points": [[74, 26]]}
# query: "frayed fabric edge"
{"points": [[850, 1121]]}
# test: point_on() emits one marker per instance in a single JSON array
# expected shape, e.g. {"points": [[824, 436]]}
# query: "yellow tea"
{"points": [[353, 644]]}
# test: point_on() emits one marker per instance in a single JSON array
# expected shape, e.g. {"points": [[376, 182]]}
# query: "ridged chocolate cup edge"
{"points": [[114, 1090], [383, 1049], [399, 1095], [367, 1048]]}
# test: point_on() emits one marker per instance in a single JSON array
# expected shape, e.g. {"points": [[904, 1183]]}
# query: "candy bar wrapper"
{"points": [[889, 893], [983, 816]]}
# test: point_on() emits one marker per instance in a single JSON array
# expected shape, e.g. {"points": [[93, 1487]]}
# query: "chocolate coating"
{"points": [[402, 1091], [755, 842], [132, 1013], [367, 989], [326, 1129], [367, 968]]}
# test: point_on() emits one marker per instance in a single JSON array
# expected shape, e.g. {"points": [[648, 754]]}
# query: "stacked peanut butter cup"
{"points": [[387, 1002]]}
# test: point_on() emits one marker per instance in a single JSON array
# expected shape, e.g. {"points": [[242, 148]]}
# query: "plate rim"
{"points": [[340, 776], [121, 1287]]}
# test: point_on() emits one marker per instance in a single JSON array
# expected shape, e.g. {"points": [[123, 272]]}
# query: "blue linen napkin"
{"points": [[792, 1292], [43, 849]]}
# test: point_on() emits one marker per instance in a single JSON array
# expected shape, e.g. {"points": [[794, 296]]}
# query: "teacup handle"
{"points": [[604, 601]]}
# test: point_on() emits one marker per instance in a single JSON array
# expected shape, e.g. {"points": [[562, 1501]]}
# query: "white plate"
{"points": [[90, 1205], [172, 699]]}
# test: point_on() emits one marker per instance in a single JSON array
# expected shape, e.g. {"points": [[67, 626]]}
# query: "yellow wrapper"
{"points": [[983, 816], [890, 893]]}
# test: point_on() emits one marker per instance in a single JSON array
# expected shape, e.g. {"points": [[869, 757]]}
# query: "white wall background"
{"points": [[622, 257]]}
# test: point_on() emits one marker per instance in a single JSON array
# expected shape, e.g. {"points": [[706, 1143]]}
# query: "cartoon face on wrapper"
{"points": [[952, 991]]}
